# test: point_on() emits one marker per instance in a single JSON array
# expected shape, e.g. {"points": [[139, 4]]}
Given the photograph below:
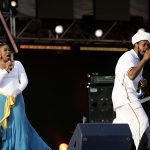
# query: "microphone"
{"points": [[11, 56], [11, 66]]}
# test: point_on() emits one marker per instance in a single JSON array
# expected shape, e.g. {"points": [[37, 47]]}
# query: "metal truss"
{"points": [[8, 33], [36, 30]]}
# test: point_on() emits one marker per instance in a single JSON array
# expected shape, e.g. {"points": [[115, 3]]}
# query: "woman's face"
{"points": [[5, 53]]}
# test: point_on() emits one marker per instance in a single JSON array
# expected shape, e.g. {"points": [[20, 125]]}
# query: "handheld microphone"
{"points": [[12, 57]]}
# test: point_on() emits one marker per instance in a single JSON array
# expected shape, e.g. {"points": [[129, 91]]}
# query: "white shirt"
{"points": [[15, 81], [125, 90]]}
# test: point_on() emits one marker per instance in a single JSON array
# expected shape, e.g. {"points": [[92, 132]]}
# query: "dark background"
{"points": [[56, 97]]}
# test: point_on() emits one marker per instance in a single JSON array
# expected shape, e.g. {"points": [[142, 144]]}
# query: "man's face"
{"points": [[142, 46]]}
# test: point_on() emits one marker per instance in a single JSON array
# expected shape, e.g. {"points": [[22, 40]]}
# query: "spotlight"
{"points": [[98, 33], [63, 146], [13, 3], [59, 29]]}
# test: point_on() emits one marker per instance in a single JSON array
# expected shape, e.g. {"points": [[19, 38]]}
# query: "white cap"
{"points": [[139, 36]]}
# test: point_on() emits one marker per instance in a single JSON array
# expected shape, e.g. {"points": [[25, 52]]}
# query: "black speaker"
{"points": [[99, 97], [56, 9], [101, 136], [100, 103], [114, 10], [145, 140]]}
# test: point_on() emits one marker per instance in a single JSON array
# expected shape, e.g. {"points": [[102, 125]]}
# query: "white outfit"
{"points": [[125, 98], [19, 133], [9, 83]]}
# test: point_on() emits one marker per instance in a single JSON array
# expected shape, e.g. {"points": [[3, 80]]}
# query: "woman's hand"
{"points": [[9, 66]]}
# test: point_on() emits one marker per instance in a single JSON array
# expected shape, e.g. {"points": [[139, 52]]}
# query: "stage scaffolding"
{"points": [[27, 31]]}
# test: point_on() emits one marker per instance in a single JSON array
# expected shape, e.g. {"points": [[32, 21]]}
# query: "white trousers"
{"points": [[134, 115]]}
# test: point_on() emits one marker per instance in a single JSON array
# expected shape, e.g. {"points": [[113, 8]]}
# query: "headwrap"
{"points": [[139, 36]]}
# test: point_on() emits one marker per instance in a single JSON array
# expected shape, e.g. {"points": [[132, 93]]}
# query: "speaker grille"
{"points": [[99, 98]]}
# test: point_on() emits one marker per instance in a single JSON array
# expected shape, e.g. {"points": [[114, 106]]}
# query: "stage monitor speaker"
{"points": [[145, 140], [101, 136]]}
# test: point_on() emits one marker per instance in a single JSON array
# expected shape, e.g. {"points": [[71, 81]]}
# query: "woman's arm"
{"points": [[23, 80]]}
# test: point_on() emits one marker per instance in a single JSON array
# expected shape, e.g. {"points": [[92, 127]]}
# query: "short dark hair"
{"points": [[3, 43]]}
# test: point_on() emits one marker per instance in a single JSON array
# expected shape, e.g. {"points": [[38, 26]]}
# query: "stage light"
{"points": [[98, 33], [46, 47], [13, 3], [63, 146], [107, 49], [59, 29]]}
